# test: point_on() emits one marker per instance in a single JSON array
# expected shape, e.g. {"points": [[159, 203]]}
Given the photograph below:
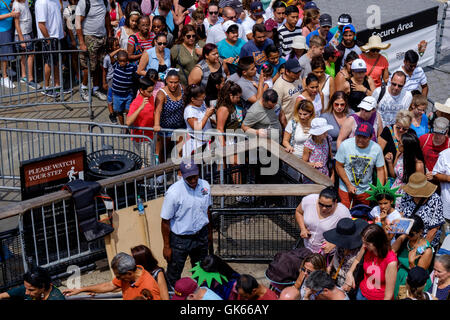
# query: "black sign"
{"points": [[402, 26]]}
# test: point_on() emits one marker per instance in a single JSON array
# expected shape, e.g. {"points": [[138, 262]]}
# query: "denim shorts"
{"points": [[110, 95], [29, 45], [122, 103]]}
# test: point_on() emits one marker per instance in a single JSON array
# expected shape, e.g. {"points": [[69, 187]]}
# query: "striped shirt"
{"points": [[286, 38], [123, 79], [415, 81], [144, 43]]}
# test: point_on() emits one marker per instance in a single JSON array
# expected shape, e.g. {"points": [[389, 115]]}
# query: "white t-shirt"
{"points": [[196, 139], [69, 15], [248, 24], [25, 19], [49, 11], [442, 166], [391, 217], [299, 138], [390, 105], [217, 34], [318, 226]]}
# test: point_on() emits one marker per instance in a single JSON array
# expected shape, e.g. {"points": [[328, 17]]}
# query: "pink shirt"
{"points": [[374, 282], [318, 226]]}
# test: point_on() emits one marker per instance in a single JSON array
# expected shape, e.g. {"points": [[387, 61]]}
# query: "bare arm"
{"points": [[159, 101], [162, 284], [165, 230], [143, 62], [345, 130], [96, 288], [130, 51], [380, 175], [4, 295], [78, 27], [304, 232], [385, 76], [222, 116], [282, 119], [391, 276], [286, 142], [425, 90], [343, 175]]}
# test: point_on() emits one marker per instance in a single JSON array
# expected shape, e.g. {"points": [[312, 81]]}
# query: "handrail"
{"points": [[15, 209]]}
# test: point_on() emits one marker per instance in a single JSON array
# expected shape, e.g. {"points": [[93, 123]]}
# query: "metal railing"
{"points": [[62, 65]]}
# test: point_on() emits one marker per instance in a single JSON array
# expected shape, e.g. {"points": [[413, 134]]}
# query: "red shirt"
{"points": [[430, 151], [269, 295], [377, 71], [145, 117], [373, 285]]}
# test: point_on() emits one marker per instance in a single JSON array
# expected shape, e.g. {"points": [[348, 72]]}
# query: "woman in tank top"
{"points": [[209, 64], [169, 112], [326, 82], [312, 93], [359, 85]]}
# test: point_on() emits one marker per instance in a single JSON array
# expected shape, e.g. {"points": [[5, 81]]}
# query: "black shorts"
{"points": [[51, 58]]}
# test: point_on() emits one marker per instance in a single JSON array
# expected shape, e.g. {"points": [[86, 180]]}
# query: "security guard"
{"points": [[185, 221]]}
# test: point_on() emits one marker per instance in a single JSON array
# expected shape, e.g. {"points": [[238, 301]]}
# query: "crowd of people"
{"points": [[265, 67]]}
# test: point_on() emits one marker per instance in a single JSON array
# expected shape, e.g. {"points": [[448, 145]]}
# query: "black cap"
{"points": [[325, 20], [417, 277], [293, 65], [344, 19]]}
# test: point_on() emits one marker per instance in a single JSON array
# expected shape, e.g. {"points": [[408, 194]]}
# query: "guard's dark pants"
{"points": [[196, 246]]}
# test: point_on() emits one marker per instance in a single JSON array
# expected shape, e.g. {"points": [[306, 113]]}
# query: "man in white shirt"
{"points": [[216, 33], [50, 25], [256, 12], [441, 172], [416, 78], [394, 98]]}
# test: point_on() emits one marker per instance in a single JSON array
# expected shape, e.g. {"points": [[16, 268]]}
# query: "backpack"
{"points": [[285, 266], [88, 6]]}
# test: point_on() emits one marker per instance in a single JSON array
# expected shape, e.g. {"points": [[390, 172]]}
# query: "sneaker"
{"points": [[113, 117], [5, 82], [84, 94], [100, 95], [50, 93], [33, 85]]}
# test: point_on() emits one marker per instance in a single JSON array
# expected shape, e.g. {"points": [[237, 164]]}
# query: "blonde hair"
{"points": [[304, 105], [418, 100], [404, 117]]}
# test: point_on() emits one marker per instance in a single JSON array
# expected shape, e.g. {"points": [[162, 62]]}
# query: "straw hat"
{"points": [[375, 43], [445, 108], [418, 186]]}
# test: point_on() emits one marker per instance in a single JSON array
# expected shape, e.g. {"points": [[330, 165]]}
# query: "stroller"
{"points": [[284, 269]]}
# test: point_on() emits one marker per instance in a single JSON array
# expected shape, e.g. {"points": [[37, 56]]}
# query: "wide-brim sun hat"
{"points": [[319, 126], [375, 43], [418, 186], [347, 233], [299, 42], [445, 108]]}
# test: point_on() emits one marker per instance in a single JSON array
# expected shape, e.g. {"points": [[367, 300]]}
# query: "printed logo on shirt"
{"points": [[205, 191], [359, 167], [259, 57]]}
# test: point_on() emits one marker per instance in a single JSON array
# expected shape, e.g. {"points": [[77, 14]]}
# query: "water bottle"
{"points": [[140, 206]]}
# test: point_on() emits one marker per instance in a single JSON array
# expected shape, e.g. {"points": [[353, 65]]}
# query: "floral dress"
{"points": [[320, 153]]}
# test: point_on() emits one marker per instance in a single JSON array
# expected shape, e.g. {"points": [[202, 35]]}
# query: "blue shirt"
{"points": [[169, 19], [123, 79], [186, 208], [423, 128], [316, 33], [252, 50], [227, 50], [277, 67], [153, 62], [5, 24]]}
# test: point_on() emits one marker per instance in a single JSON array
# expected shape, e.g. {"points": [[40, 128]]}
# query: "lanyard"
{"points": [[7, 7]]}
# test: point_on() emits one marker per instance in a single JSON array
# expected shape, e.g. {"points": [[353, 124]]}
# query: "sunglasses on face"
{"points": [[339, 104], [328, 206], [162, 43], [232, 17], [375, 50], [189, 36], [213, 12], [307, 271], [397, 85], [401, 128]]}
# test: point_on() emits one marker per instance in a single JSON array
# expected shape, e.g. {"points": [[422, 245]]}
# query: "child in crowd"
{"points": [[330, 55], [273, 58], [267, 71], [122, 85], [141, 114], [24, 32], [112, 48], [317, 149], [153, 75]]}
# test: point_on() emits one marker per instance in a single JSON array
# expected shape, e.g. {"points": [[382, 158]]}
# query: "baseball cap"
{"points": [[368, 103], [417, 277], [188, 169], [183, 288], [325, 20], [364, 129], [235, 4], [440, 125], [257, 9], [310, 5], [293, 65], [226, 25], [270, 24], [349, 26], [359, 65], [344, 19]]}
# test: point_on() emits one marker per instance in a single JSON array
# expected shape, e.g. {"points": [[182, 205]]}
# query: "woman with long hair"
{"points": [[312, 93], [159, 25], [310, 21], [326, 82], [336, 112], [215, 83], [183, 54], [141, 41], [157, 58], [313, 262], [210, 63], [144, 257], [346, 72], [297, 130], [229, 112]]}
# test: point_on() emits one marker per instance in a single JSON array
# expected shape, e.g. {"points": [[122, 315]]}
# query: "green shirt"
{"points": [[330, 70], [19, 293]]}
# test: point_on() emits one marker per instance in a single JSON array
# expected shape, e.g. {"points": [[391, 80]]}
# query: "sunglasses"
{"points": [[307, 271], [316, 294], [328, 206], [401, 128], [232, 17], [397, 85], [189, 36], [162, 43], [375, 50], [213, 12], [339, 104]]}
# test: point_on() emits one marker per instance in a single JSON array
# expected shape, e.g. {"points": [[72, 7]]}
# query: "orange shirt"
{"points": [[145, 281], [377, 72]]}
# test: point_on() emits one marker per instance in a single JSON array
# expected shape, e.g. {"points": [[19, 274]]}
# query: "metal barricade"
{"points": [[56, 76]]}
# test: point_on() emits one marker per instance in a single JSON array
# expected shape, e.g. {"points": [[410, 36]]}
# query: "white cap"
{"points": [[359, 65], [368, 103], [227, 24]]}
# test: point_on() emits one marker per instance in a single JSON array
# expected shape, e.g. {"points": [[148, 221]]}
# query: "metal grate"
{"points": [[255, 234], [11, 260]]}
